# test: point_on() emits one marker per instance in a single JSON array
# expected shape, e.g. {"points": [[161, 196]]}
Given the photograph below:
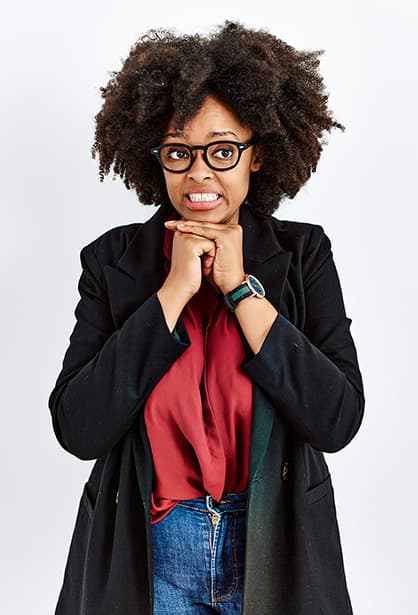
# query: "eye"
{"points": [[224, 152], [177, 153]]}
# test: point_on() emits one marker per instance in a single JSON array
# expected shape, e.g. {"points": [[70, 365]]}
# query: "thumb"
{"points": [[207, 263]]}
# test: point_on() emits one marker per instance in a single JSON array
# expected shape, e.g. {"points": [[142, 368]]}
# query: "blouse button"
{"points": [[285, 470]]}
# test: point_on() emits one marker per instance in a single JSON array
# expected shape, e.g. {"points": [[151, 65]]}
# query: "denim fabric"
{"points": [[198, 551]]}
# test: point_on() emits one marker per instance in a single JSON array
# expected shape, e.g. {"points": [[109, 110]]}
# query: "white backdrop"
{"points": [[54, 58]]}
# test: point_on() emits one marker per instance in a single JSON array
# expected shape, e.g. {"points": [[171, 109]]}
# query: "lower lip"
{"points": [[202, 205]]}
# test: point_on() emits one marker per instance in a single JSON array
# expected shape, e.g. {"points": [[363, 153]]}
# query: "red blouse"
{"points": [[198, 416]]}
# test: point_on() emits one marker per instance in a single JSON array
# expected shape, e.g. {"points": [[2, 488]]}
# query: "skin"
{"points": [[213, 122], [208, 241]]}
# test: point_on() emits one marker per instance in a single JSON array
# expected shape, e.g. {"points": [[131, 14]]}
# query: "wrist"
{"points": [[232, 283], [172, 303], [249, 287], [176, 290]]}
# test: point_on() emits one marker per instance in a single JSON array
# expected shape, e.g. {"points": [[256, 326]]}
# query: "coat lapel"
{"points": [[265, 258], [140, 272]]}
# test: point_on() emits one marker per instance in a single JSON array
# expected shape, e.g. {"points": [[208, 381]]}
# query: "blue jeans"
{"points": [[198, 552]]}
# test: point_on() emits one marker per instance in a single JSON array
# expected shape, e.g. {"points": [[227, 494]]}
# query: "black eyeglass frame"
{"points": [[155, 151]]}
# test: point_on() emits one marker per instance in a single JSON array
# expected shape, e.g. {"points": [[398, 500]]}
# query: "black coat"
{"points": [[307, 398]]}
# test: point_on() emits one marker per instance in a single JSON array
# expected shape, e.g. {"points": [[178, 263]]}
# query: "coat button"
{"points": [[117, 498], [285, 470]]}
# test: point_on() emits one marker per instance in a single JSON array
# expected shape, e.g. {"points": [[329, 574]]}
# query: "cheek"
{"points": [[172, 184], [241, 182]]}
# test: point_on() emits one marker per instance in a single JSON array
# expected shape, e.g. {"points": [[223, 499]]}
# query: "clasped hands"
{"points": [[209, 249]]}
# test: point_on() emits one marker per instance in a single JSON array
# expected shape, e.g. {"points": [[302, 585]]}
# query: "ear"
{"points": [[256, 160]]}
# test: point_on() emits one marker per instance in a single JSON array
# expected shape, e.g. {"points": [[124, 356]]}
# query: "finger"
{"points": [[207, 266], [201, 246], [214, 233], [207, 262], [201, 223], [205, 229], [175, 225], [210, 252], [171, 225]]}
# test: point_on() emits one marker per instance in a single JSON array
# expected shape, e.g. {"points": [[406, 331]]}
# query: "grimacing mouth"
{"points": [[199, 197]]}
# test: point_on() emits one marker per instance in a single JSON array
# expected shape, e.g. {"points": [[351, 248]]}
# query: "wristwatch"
{"points": [[250, 287]]}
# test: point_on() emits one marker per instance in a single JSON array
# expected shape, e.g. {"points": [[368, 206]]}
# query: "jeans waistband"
{"points": [[230, 502]]}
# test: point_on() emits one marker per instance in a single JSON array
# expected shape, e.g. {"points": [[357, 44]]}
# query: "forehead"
{"points": [[213, 119]]}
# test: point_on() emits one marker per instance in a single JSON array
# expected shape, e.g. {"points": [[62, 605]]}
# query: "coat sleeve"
{"points": [[312, 376], [106, 373]]}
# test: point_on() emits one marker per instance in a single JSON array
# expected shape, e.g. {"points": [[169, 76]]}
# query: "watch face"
{"points": [[256, 285]]}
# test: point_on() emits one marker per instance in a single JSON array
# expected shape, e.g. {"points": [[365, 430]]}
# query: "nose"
{"points": [[199, 171]]}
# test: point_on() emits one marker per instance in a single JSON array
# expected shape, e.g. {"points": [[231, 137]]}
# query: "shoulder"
{"points": [[292, 234], [107, 248], [110, 245], [308, 242]]}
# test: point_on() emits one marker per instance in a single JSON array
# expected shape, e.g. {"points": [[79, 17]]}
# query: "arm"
{"points": [[107, 374], [313, 376], [256, 317]]}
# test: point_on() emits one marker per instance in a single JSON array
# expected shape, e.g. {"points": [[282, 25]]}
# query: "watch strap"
{"points": [[238, 294]]}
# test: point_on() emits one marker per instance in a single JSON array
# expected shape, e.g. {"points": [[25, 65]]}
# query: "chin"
{"points": [[210, 215], [220, 214]]}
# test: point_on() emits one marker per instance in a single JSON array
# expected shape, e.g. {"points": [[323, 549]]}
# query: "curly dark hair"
{"points": [[272, 88]]}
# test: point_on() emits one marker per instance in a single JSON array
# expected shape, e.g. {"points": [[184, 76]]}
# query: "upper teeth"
{"points": [[203, 196]]}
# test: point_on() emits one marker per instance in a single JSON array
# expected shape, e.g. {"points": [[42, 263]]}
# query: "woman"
{"points": [[211, 363]]}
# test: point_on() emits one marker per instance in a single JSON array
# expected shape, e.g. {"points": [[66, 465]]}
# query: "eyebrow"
{"points": [[215, 133]]}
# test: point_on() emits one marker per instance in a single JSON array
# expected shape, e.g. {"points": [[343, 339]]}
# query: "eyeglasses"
{"points": [[218, 155]]}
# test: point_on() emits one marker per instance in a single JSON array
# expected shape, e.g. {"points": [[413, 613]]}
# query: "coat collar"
{"points": [[140, 270]]}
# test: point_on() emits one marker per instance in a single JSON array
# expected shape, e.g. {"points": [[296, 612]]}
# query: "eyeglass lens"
{"points": [[219, 155]]}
